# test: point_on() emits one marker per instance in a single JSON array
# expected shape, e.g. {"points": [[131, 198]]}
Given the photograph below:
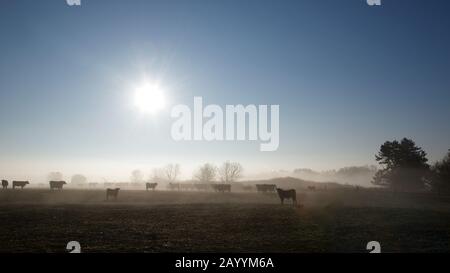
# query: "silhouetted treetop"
{"points": [[402, 154], [405, 165]]}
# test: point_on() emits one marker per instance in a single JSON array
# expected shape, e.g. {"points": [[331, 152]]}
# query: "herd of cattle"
{"points": [[113, 193], [21, 184], [263, 188]]}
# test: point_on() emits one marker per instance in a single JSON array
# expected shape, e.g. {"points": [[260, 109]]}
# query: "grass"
{"points": [[332, 221]]}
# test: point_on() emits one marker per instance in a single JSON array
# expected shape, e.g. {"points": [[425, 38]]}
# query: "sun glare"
{"points": [[149, 98]]}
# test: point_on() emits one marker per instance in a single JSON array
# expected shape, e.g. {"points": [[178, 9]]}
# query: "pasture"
{"points": [[339, 220]]}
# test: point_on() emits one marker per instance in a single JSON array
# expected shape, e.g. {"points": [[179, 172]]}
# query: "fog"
{"points": [[37, 172]]}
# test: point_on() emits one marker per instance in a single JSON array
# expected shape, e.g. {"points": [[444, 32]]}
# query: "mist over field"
{"points": [[303, 126], [361, 175]]}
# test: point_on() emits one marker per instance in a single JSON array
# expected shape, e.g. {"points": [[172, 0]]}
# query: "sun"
{"points": [[149, 98]]}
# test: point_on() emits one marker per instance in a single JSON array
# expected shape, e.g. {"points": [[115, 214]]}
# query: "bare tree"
{"points": [[137, 176], [206, 173], [55, 176], [171, 172], [230, 171]]}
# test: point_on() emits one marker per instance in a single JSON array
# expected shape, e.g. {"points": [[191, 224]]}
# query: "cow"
{"points": [[20, 184], [266, 188], [221, 187], [57, 185], [5, 184], [112, 192], [311, 188], [151, 186], [173, 186], [287, 194]]}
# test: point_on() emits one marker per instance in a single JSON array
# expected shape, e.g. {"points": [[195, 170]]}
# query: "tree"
{"points": [[405, 165], [440, 180], [206, 173], [230, 171], [55, 176], [171, 172], [137, 176], [78, 179]]}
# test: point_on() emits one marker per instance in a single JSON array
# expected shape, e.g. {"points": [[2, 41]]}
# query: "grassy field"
{"points": [[38, 220]]}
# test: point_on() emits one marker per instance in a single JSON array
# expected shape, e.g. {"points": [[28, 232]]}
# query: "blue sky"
{"points": [[347, 77]]}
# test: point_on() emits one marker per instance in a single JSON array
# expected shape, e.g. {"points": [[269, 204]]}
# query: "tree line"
{"points": [[228, 172], [207, 173], [404, 165]]}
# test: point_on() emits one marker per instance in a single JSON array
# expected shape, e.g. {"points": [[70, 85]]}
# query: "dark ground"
{"points": [[331, 221]]}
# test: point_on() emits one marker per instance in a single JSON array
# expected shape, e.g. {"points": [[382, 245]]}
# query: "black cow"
{"points": [[20, 184], [287, 194], [5, 184], [151, 186], [112, 192], [57, 185]]}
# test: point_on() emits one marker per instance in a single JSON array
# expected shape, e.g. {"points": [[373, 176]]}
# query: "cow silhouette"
{"points": [[20, 184], [287, 194], [112, 193], [57, 185], [150, 186]]}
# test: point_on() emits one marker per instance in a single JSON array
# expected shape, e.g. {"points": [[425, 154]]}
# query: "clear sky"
{"points": [[347, 77]]}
